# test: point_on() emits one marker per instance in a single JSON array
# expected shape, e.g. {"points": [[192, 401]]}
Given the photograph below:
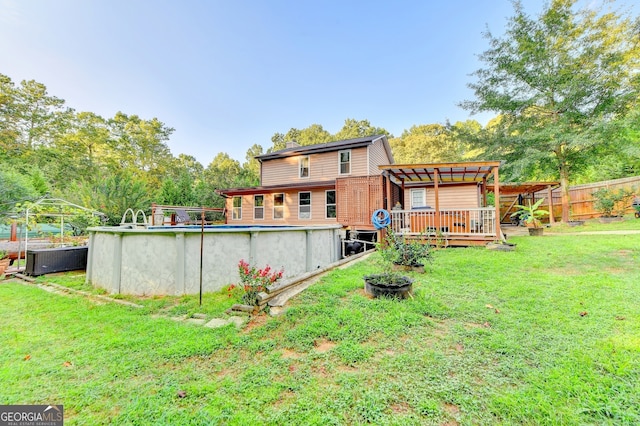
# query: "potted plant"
{"points": [[530, 215], [611, 203], [397, 254], [389, 284], [4, 261], [404, 254]]}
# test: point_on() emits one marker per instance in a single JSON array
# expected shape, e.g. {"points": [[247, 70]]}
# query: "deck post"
{"points": [[496, 192], [552, 220], [436, 178]]}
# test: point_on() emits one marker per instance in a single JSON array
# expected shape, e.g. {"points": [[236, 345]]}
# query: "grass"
{"points": [[629, 223], [548, 334]]}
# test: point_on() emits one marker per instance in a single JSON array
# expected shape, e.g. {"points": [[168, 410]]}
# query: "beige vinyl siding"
{"points": [[359, 165], [451, 197], [290, 210], [323, 166], [377, 157]]}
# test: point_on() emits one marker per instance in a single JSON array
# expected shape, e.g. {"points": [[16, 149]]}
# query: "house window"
{"points": [[304, 205], [418, 198], [278, 206], [237, 208], [345, 161], [258, 206], [330, 202], [303, 166]]}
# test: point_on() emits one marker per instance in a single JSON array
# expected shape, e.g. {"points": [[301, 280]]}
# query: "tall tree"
{"points": [[142, 146], [353, 128], [113, 194], [311, 135], [429, 143], [86, 144], [223, 172], [557, 80], [40, 117], [252, 166]]}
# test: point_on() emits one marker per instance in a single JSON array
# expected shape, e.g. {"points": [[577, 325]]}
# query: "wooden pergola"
{"points": [[517, 189], [483, 173]]}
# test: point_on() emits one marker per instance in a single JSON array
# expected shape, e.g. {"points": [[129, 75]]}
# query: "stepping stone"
{"points": [[200, 316], [274, 311], [217, 323], [196, 321], [179, 318], [238, 321]]}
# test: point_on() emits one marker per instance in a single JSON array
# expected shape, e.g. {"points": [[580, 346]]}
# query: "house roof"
{"points": [[328, 147], [306, 186], [463, 172]]}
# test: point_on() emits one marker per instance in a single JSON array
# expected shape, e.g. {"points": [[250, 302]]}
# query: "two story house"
{"points": [[330, 183], [345, 182]]}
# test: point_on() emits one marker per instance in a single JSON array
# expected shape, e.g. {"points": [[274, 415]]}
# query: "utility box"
{"points": [[59, 259]]}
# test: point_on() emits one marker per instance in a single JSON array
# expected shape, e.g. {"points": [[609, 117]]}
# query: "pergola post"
{"points": [[484, 191], [552, 220], [389, 194], [496, 192]]}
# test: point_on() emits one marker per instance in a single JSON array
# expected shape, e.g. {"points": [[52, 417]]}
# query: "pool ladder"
{"points": [[134, 219]]}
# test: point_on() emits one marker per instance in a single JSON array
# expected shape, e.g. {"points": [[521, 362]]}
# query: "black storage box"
{"points": [[59, 259]]}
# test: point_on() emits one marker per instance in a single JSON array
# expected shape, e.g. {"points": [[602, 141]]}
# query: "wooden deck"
{"points": [[450, 227]]}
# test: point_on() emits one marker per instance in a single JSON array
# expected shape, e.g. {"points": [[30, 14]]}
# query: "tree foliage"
{"points": [[559, 81], [432, 143], [315, 134]]}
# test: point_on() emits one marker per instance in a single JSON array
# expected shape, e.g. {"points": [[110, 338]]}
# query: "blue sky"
{"points": [[228, 74]]}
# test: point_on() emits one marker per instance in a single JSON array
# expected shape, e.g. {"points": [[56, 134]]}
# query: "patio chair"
{"points": [[182, 217]]}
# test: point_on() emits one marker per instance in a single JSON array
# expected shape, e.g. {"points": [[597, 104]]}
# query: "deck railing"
{"points": [[449, 222]]}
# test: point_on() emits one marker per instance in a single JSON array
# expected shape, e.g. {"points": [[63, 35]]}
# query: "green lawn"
{"points": [[548, 334]]}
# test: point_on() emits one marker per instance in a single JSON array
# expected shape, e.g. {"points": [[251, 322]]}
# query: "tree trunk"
{"points": [[564, 191]]}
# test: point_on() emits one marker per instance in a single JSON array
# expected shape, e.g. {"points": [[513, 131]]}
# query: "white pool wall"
{"points": [[166, 260]]}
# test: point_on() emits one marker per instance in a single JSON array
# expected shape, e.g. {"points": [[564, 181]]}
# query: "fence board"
{"points": [[581, 204]]}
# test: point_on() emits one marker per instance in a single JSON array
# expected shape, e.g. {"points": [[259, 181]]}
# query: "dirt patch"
{"points": [[400, 408], [320, 371], [256, 321], [566, 270], [624, 253], [289, 354], [323, 346], [459, 348], [451, 408]]}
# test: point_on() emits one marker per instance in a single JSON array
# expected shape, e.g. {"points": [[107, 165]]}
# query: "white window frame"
{"points": [[258, 208], [277, 207], [236, 213], [340, 163], [327, 204], [301, 167], [302, 215], [423, 192]]}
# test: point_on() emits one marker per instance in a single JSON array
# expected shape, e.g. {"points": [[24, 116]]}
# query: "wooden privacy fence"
{"points": [[358, 198], [581, 198]]}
